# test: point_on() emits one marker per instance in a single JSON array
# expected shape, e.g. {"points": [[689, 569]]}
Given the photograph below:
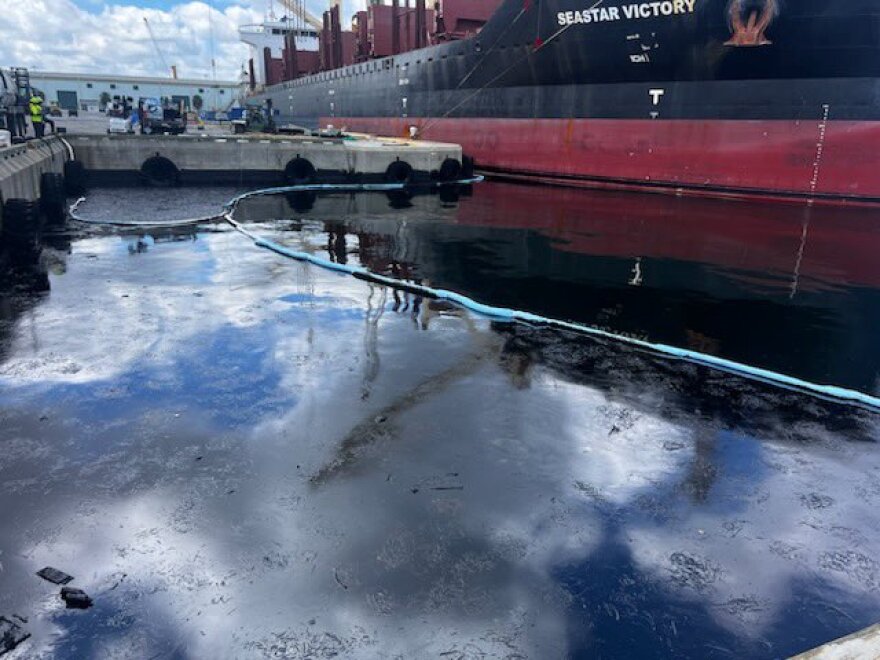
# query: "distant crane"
{"points": [[211, 32], [165, 66]]}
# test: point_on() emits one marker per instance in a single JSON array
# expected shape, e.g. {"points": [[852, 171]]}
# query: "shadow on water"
{"points": [[679, 391], [25, 265]]}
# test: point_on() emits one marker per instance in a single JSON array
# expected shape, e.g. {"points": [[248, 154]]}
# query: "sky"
{"points": [[110, 37]]}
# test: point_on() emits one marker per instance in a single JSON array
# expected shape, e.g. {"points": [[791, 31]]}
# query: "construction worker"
{"points": [[36, 109]]}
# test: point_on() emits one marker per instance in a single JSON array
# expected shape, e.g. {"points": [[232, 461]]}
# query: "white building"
{"points": [[83, 91]]}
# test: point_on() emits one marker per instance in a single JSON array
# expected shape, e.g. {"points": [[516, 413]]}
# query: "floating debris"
{"points": [[54, 575], [75, 598]]}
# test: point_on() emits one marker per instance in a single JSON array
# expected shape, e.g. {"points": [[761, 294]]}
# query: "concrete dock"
{"points": [[858, 646], [268, 159], [23, 165]]}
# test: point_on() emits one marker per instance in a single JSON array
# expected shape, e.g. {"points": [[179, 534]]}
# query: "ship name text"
{"points": [[627, 12]]}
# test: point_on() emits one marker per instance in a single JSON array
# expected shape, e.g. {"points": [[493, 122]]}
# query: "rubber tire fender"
{"points": [[21, 218], [399, 172], [52, 196], [450, 170], [159, 172], [468, 165], [299, 171]]}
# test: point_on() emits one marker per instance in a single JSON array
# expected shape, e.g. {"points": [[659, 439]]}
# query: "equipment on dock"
{"points": [[256, 119], [161, 117], [15, 92], [118, 125]]}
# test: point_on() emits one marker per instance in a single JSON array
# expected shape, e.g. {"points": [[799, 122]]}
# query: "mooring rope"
{"points": [[507, 315]]}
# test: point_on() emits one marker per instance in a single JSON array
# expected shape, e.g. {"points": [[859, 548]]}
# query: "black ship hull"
{"points": [[745, 97]]}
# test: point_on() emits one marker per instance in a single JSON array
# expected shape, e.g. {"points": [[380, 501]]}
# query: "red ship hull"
{"points": [[836, 160]]}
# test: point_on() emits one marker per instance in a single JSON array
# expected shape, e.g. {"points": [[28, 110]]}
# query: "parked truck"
{"points": [[161, 117]]}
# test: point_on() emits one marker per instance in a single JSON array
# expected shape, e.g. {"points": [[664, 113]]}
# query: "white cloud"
{"points": [[100, 37], [58, 35]]}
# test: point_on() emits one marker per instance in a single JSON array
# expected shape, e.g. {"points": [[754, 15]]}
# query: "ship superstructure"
{"points": [[296, 27]]}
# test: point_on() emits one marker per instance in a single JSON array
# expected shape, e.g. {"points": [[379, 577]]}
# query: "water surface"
{"points": [[242, 456]]}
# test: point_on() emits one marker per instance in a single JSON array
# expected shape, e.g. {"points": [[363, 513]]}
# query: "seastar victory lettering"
{"points": [[627, 12]]}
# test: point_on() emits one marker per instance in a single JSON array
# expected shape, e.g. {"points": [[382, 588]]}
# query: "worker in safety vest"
{"points": [[36, 109]]}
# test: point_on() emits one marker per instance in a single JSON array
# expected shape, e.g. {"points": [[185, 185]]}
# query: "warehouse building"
{"points": [[81, 91]]}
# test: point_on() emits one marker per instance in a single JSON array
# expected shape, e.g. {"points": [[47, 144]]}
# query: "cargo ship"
{"points": [[755, 98]]}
